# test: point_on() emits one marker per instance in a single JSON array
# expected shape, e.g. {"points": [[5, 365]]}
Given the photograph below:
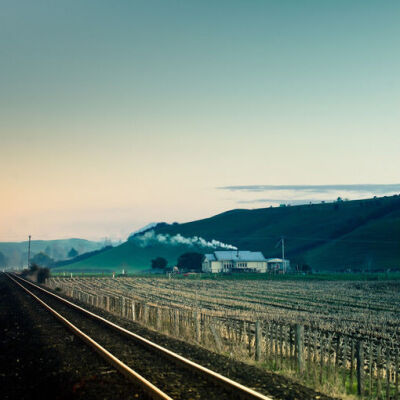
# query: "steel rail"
{"points": [[239, 389], [153, 391]]}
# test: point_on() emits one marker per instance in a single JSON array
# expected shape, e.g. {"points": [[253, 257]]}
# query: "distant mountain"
{"points": [[17, 252], [357, 235]]}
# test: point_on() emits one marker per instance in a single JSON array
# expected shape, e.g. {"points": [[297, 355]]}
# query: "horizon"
{"points": [[116, 115], [118, 240]]}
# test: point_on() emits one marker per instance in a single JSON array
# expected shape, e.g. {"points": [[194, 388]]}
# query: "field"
{"points": [[337, 336]]}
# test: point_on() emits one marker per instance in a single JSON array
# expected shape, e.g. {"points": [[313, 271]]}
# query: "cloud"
{"points": [[303, 194], [375, 188], [293, 202]]}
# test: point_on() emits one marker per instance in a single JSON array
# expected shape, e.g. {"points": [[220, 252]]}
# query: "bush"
{"points": [[190, 261], [43, 274], [159, 263]]}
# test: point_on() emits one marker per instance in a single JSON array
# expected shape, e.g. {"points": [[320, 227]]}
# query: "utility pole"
{"points": [[29, 251], [283, 247]]}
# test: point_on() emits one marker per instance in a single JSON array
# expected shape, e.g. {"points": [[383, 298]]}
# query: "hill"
{"points": [[357, 235], [17, 252], [130, 256]]}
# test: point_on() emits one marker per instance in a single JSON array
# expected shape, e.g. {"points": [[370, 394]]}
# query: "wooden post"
{"points": [[271, 341], [197, 327], [217, 339], [267, 350], [281, 345], [344, 361], [328, 346], [158, 319], [378, 372], [315, 357], [258, 340], [300, 347], [133, 311], [249, 337], [322, 358], [176, 322], [396, 375], [360, 368], [370, 369], [294, 348], [309, 352], [387, 373], [352, 365], [145, 313], [337, 355]]}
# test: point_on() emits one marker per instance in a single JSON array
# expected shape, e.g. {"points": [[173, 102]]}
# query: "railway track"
{"points": [[161, 373]]}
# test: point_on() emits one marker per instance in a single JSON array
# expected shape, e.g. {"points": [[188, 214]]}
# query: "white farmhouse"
{"points": [[234, 261]]}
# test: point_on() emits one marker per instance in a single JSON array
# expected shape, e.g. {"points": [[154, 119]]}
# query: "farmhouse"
{"points": [[234, 261]]}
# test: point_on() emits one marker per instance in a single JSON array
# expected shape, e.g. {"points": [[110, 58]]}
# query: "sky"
{"points": [[117, 114]]}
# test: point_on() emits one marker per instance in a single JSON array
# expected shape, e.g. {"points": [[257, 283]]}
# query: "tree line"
{"points": [[190, 261]]}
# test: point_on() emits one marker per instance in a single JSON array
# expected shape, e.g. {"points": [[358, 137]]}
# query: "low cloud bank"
{"points": [[302, 194], [364, 188]]}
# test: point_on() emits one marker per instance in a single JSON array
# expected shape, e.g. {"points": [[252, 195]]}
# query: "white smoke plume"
{"points": [[151, 237]]}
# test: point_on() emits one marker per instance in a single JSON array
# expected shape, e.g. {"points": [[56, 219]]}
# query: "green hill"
{"points": [[361, 234], [130, 256], [374, 245]]}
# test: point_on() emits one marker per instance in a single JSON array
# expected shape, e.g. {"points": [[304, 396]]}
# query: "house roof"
{"points": [[277, 260], [209, 257], [235, 255]]}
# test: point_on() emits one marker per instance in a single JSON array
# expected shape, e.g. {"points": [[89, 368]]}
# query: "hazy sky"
{"points": [[118, 113]]}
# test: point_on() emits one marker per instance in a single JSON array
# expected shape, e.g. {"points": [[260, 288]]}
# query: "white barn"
{"points": [[229, 261]]}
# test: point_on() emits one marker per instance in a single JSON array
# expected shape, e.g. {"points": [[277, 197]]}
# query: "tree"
{"points": [[43, 274], [72, 253], [190, 261], [159, 263], [42, 259], [3, 260], [33, 268], [306, 269]]}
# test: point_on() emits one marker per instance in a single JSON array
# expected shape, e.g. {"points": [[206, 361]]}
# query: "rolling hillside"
{"points": [[129, 256], [361, 234]]}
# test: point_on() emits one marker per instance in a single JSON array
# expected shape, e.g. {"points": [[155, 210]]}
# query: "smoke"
{"points": [[151, 237]]}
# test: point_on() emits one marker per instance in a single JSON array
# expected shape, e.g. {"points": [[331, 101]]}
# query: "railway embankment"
{"points": [[40, 359]]}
